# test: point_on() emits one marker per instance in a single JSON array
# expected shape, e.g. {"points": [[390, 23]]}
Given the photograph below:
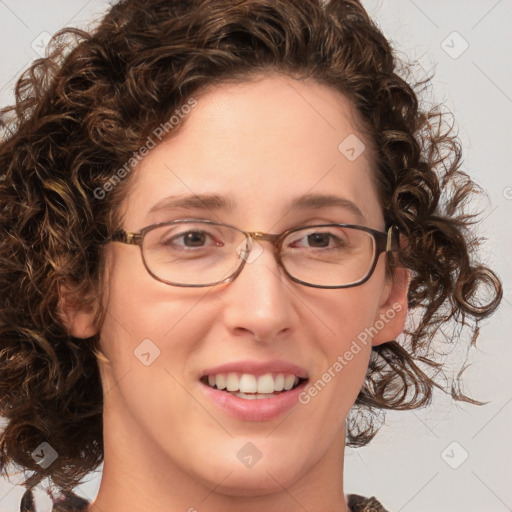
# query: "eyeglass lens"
{"points": [[202, 253]]}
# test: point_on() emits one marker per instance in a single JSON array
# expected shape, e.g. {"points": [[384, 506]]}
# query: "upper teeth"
{"points": [[248, 383]]}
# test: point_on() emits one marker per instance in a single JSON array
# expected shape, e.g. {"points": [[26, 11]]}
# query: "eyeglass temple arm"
{"points": [[126, 237], [393, 239]]}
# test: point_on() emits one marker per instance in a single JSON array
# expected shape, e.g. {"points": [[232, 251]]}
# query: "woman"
{"points": [[284, 189]]}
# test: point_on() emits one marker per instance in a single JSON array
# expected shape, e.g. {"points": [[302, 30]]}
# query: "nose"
{"points": [[258, 302]]}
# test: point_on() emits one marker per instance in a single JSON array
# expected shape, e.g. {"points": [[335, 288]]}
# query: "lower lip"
{"points": [[259, 409]]}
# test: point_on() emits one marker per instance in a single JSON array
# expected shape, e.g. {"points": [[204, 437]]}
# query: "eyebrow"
{"points": [[194, 201], [215, 202]]}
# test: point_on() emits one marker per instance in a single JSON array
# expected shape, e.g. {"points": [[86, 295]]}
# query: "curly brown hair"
{"points": [[87, 108]]}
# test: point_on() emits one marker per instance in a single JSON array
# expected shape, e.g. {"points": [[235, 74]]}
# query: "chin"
{"points": [[260, 483], [265, 476]]}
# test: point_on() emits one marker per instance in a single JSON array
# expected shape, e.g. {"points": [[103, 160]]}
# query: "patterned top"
{"points": [[360, 504], [70, 502]]}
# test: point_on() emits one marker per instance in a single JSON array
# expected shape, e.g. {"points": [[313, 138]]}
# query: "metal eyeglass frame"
{"points": [[385, 241]]}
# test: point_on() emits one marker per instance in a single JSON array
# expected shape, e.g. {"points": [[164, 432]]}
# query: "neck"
{"points": [[139, 475]]}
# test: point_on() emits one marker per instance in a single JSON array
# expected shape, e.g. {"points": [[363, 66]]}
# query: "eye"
{"points": [[191, 239], [318, 239]]}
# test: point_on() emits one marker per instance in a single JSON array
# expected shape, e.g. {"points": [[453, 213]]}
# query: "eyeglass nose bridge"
{"points": [[264, 237], [259, 235], [255, 236]]}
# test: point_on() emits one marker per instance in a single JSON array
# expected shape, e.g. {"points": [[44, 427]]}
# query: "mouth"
{"points": [[252, 390], [250, 386]]}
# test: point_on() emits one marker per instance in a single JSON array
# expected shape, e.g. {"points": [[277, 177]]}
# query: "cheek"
{"points": [[158, 322], [150, 333], [349, 315]]}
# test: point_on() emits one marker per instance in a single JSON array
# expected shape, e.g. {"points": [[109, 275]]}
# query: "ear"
{"points": [[392, 313], [77, 318]]}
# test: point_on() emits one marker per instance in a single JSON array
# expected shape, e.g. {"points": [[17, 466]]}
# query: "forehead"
{"points": [[260, 145]]}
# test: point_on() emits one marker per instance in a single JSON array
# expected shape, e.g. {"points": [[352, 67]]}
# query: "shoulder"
{"points": [[358, 503]]}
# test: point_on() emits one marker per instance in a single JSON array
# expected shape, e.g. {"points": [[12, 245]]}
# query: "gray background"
{"points": [[448, 457]]}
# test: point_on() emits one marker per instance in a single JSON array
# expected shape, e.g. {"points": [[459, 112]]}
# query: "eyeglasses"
{"points": [[199, 253]]}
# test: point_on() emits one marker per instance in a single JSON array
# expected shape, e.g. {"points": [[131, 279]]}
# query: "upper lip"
{"points": [[257, 368]]}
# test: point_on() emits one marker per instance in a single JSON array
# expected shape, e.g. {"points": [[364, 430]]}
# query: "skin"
{"points": [[167, 447]]}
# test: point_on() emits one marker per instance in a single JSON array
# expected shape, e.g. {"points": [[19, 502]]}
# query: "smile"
{"points": [[250, 387], [254, 390]]}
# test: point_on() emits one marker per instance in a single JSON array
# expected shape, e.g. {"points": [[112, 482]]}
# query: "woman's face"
{"points": [[261, 146]]}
